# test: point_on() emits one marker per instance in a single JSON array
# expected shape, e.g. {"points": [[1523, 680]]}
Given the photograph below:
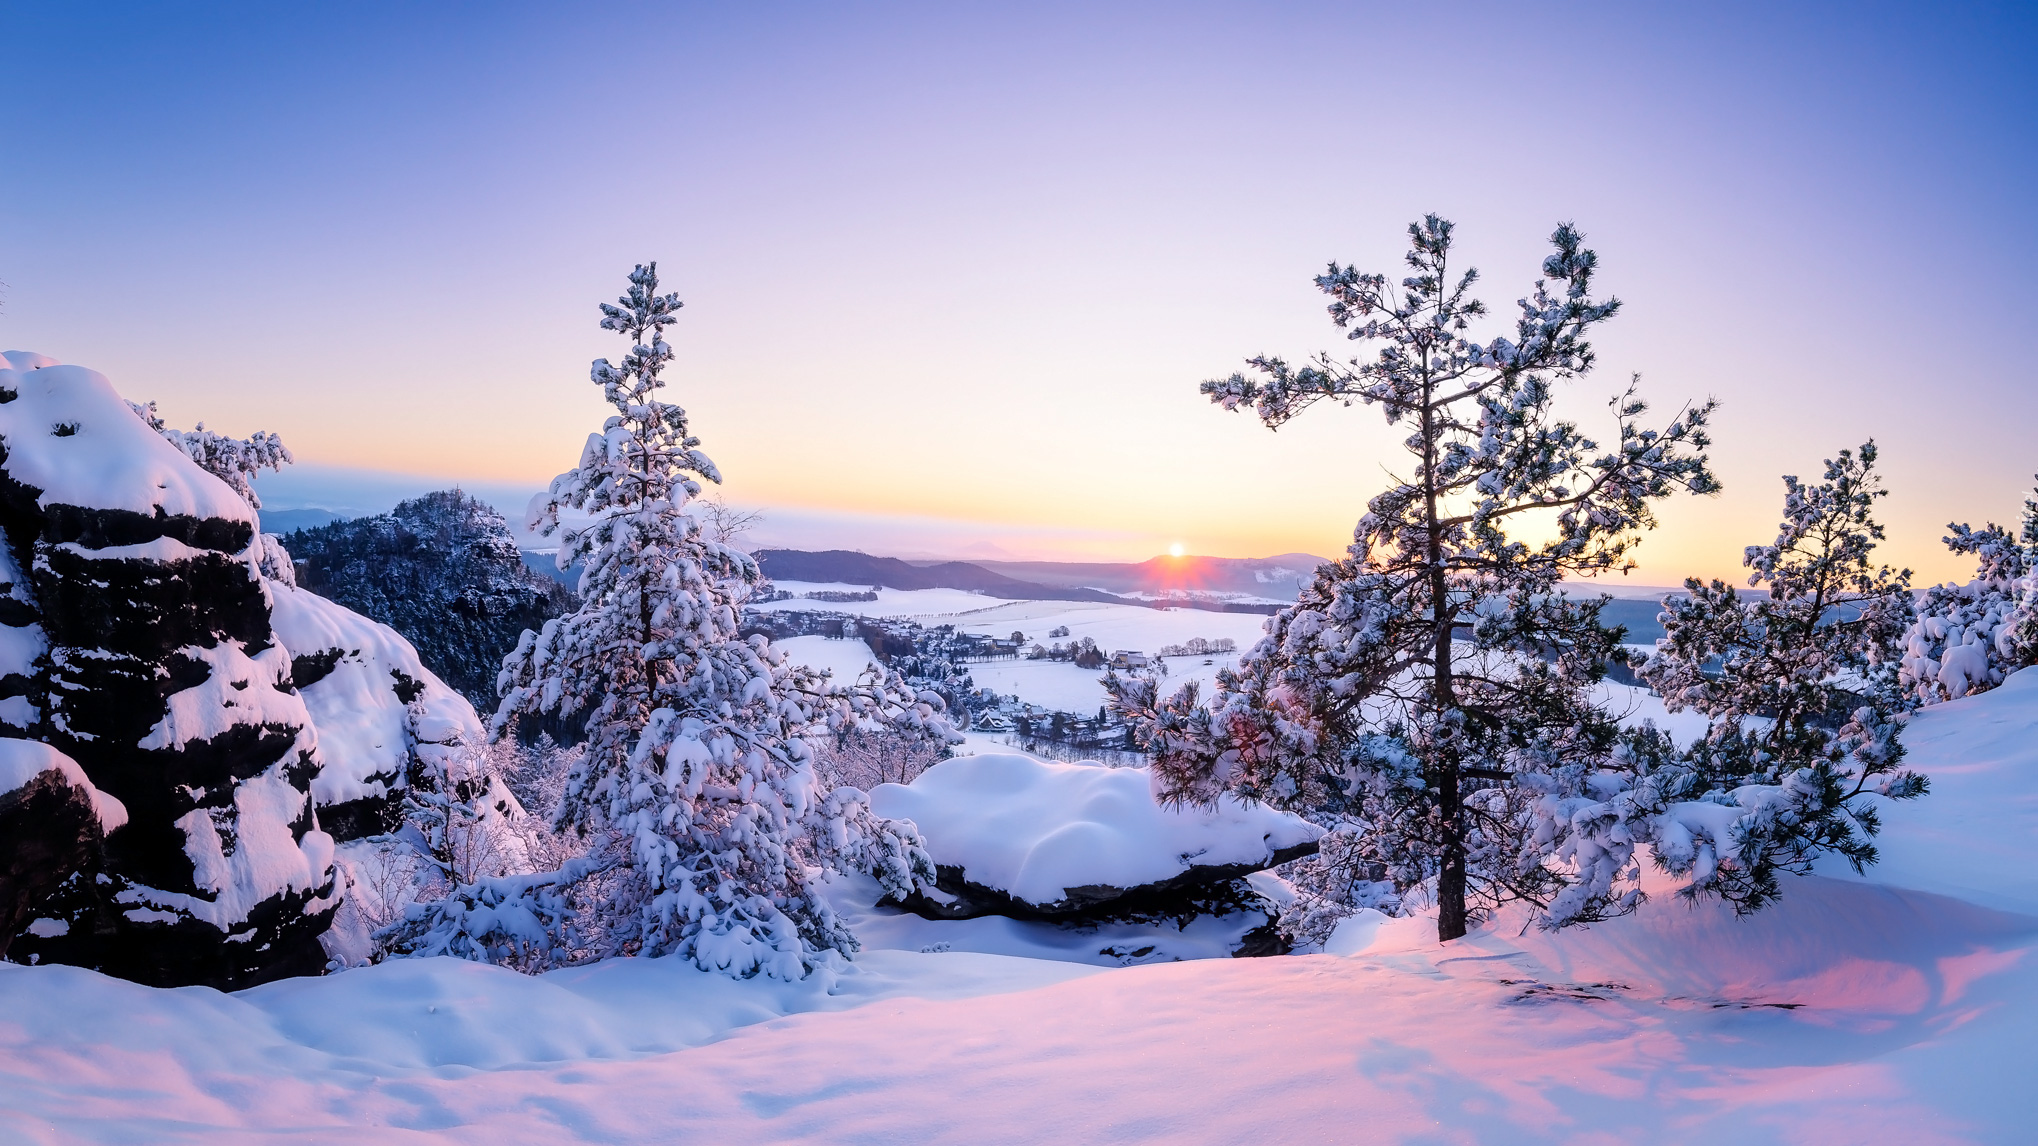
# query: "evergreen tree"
{"points": [[697, 758], [1432, 685], [235, 461], [1801, 691], [1968, 638]]}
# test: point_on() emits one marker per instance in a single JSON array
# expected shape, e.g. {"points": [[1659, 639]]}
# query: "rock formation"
{"points": [[1081, 844], [140, 647]]}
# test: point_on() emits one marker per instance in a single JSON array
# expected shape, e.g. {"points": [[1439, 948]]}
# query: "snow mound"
{"points": [[1974, 836], [21, 761], [1036, 830], [72, 437]]}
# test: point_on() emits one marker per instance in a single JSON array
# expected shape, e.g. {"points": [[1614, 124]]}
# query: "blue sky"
{"points": [[953, 272]]}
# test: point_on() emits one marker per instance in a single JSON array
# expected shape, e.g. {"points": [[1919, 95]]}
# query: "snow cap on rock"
{"points": [[1034, 828], [69, 435]]}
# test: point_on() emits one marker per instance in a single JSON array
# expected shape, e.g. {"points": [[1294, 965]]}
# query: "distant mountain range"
{"points": [[1213, 583], [1271, 578]]}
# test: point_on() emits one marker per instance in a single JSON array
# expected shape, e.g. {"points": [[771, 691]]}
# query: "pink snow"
{"points": [[1035, 828], [1897, 1007]]}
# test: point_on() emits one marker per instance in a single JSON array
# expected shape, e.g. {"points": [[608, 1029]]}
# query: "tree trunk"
{"points": [[1450, 805], [1451, 875]]}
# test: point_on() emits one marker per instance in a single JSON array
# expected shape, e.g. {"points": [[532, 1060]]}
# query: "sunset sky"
{"points": [[953, 272]]}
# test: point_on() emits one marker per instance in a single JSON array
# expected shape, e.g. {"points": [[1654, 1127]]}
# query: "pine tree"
{"points": [[1801, 690], [1432, 685], [1968, 638], [696, 758], [235, 461]]}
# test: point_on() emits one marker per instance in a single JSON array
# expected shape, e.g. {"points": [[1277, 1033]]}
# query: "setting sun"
{"points": [[1175, 550]]}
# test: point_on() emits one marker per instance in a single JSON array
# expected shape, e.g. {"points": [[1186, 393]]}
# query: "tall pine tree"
{"points": [[697, 763], [1433, 684]]}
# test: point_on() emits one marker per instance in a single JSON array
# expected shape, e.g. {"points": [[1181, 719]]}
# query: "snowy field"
{"points": [[1051, 684], [1111, 626], [845, 658], [1901, 1007]]}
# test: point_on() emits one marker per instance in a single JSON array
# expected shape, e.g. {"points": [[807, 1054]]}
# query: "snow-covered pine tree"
{"points": [[1432, 685], [235, 461], [1801, 690], [1967, 638], [696, 757]]}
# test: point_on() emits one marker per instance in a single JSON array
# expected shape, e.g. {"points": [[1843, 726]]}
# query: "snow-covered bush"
{"points": [[1435, 683], [1967, 638], [235, 461], [1340, 879], [697, 756]]}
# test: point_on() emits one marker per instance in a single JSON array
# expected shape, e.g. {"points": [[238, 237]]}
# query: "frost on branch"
{"points": [[1433, 684], [698, 761]]}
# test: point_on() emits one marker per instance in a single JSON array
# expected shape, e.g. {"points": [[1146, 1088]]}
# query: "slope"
{"points": [[1901, 1006]]}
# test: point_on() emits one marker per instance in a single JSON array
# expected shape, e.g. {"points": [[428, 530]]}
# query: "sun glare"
{"points": [[1175, 550]]}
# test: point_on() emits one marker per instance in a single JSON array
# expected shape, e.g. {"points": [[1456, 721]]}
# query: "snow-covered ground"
{"points": [[845, 658], [1113, 627], [1897, 1007], [1055, 685]]}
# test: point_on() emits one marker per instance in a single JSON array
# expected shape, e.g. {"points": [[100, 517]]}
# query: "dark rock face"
{"points": [[1218, 890], [161, 678], [442, 570], [52, 833]]}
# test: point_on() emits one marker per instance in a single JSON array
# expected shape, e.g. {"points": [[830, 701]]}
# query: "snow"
{"points": [[1055, 685], [19, 646], [264, 858], [1035, 828], [846, 658], [1899, 1006], [1111, 626], [238, 689], [110, 460], [21, 761], [1632, 705], [164, 549], [1974, 836], [362, 724], [928, 606]]}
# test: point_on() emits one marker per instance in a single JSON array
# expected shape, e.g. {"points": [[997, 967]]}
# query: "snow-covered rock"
{"points": [[53, 822], [377, 709], [140, 647], [1013, 835]]}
